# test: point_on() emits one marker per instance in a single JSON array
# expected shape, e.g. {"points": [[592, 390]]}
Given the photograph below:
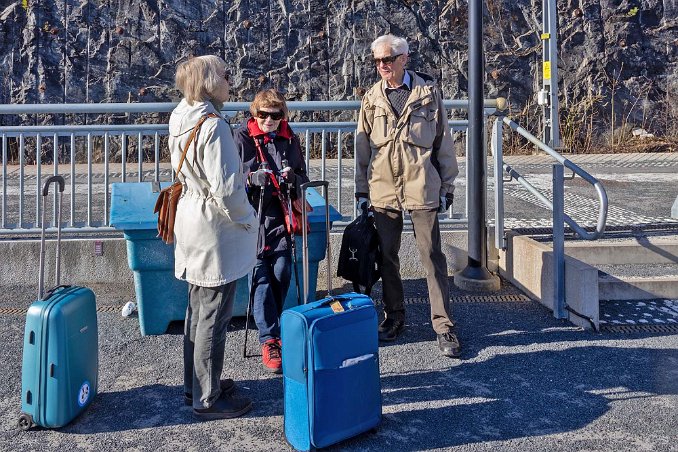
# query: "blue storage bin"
{"points": [[161, 298]]}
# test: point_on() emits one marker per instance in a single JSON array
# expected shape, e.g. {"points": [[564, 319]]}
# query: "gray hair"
{"points": [[198, 77], [397, 45]]}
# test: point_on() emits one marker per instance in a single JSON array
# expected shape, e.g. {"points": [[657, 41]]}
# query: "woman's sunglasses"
{"points": [[386, 60], [275, 115]]}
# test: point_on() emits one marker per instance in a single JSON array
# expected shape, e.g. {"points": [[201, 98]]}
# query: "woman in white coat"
{"points": [[215, 233]]}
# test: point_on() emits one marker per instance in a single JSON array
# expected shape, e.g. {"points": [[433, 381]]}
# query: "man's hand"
{"points": [[446, 202], [362, 204], [288, 175], [259, 178]]}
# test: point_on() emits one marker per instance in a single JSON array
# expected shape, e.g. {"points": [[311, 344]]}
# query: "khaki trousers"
{"points": [[389, 225]]}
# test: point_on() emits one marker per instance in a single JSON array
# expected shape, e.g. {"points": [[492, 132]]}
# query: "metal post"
{"points": [[548, 96], [497, 153], [476, 276], [558, 242]]}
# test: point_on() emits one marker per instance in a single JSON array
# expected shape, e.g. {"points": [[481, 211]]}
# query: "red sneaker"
{"points": [[272, 355]]}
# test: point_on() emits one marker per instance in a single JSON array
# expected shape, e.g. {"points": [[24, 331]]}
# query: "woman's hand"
{"points": [[260, 177]]}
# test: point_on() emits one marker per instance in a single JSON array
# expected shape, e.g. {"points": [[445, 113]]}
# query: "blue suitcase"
{"points": [[61, 354], [330, 355]]}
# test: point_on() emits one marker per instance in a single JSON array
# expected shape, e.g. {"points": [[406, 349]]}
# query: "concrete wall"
{"points": [[80, 264], [528, 264]]}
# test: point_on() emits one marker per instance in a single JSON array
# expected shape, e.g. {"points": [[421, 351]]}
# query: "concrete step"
{"points": [[611, 287], [637, 267], [639, 270], [638, 249], [640, 267]]}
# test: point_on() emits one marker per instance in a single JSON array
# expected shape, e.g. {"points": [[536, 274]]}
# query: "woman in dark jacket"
{"points": [[273, 155]]}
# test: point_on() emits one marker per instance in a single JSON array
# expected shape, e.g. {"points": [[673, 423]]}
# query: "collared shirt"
{"points": [[398, 96], [407, 84]]}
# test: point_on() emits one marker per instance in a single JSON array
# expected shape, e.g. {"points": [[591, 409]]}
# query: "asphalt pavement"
{"points": [[526, 381]]}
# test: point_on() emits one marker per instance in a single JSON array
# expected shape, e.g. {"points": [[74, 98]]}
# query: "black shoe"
{"points": [[389, 329], [227, 387], [449, 344], [226, 407]]}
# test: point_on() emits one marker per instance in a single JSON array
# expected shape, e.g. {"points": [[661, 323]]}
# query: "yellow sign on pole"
{"points": [[24, 3], [546, 69]]}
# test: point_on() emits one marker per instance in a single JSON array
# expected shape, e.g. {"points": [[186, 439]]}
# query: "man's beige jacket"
{"points": [[405, 163]]}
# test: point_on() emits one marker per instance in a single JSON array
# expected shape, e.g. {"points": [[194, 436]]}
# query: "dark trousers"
{"points": [[427, 236], [271, 282], [207, 317]]}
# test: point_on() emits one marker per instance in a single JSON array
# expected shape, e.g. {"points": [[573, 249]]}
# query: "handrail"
{"points": [[602, 195], [66, 142], [100, 129], [165, 107]]}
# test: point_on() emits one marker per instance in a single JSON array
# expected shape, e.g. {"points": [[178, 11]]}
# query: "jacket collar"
{"points": [[422, 93], [185, 116], [284, 131]]}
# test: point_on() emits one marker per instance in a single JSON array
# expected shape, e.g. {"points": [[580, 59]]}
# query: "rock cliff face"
{"points": [[618, 58]]}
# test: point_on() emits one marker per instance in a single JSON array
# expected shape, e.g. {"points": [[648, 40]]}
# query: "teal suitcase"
{"points": [[61, 354]]}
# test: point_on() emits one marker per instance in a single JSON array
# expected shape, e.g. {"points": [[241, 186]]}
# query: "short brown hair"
{"points": [[269, 98], [197, 78]]}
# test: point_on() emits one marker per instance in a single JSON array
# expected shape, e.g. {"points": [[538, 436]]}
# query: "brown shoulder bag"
{"points": [[166, 204]]}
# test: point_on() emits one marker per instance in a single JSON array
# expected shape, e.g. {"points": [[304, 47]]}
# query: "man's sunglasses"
{"points": [[386, 60], [276, 115]]}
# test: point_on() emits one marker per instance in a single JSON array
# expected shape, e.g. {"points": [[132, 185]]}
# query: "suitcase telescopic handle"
{"points": [[50, 180], [45, 191], [304, 233]]}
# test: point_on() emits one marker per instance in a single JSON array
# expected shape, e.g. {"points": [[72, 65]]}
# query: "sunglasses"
{"points": [[386, 60], [274, 115]]}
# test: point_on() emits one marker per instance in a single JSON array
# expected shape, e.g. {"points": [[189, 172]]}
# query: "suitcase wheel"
{"points": [[25, 421]]}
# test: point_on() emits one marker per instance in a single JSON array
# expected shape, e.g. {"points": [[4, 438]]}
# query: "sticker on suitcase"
{"points": [[83, 395]]}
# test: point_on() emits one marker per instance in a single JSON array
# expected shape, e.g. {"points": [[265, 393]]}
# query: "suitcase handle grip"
{"points": [[331, 299], [49, 181], [315, 183], [55, 288]]}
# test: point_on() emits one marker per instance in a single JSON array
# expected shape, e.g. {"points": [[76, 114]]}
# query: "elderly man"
{"points": [[406, 162]]}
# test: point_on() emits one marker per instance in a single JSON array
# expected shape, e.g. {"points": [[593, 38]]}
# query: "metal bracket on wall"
{"points": [[98, 248]]}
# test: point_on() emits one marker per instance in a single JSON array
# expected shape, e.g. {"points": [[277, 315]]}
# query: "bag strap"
{"points": [[191, 137]]}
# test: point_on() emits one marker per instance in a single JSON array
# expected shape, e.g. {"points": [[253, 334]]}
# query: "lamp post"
{"points": [[476, 276]]}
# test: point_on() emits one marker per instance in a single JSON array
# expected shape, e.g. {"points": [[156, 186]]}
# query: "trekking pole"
{"points": [[250, 302], [290, 213]]}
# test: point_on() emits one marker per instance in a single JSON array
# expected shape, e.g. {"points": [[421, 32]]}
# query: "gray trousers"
{"points": [[207, 317], [389, 225]]}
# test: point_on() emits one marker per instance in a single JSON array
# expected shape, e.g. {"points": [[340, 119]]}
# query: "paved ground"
{"points": [[526, 382]]}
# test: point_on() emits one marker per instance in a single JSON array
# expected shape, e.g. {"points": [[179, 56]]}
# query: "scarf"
{"points": [[284, 131]]}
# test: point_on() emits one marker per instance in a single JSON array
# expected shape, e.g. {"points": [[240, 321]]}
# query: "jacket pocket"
{"points": [[421, 129], [380, 128]]}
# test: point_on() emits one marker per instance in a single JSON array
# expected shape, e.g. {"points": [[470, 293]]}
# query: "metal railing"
{"points": [[88, 201], [557, 205]]}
